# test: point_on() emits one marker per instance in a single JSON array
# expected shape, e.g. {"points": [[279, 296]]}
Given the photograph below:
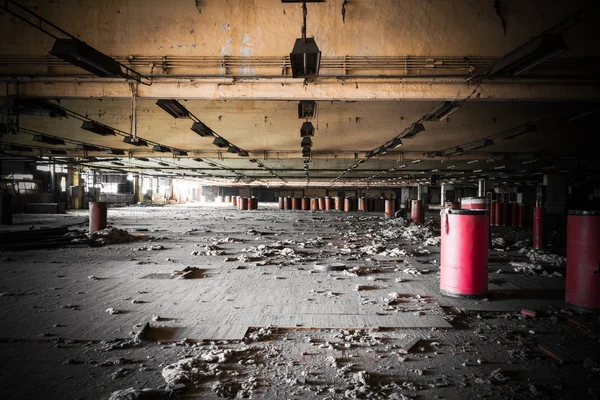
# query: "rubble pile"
{"points": [[113, 235]]}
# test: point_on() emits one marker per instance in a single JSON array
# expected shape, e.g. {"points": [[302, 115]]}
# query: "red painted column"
{"points": [[6, 209], [281, 203], [287, 203], [539, 215], [390, 207], [498, 214], [253, 203], [322, 203], [416, 212], [347, 204], [296, 203], [521, 218], [339, 203], [506, 213], [244, 203], [305, 203], [362, 204], [98, 214], [583, 259], [234, 201], [514, 212], [493, 213], [464, 252], [329, 203], [227, 199]]}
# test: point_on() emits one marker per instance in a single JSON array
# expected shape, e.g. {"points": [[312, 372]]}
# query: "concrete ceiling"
{"points": [[385, 66]]}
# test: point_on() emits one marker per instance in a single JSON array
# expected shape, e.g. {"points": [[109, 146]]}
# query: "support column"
{"points": [[442, 194], [481, 188], [77, 195], [556, 206], [98, 213]]}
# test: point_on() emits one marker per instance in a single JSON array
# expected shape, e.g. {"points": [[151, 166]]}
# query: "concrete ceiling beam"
{"points": [[322, 90]]}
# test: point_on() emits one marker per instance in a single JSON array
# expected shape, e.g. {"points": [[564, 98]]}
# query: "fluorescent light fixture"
{"points": [[16, 147], [393, 144], [412, 130], [451, 167], [48, 140], [97, 128], [519, 131], [163, 164], [500, 167], [529, 55], [233, 149], [180, 153], [416, 161], [305, 58], [478, 170], [473, 162], [174, 108], [38, 107], [220, 142], [142, 159], [443, 110], [243, 153], [381, 151], [56, 152], [82, 55], [402, 166], [306, 142], [135, 141], [118, 163], [369, 154], [87, 147], [307, 109], [161, 149], [479, 144], [307, 129], [201, 129], [454, 151], [530, 161], [252, 160], [433, 154], [117, 152], [306, 152]]}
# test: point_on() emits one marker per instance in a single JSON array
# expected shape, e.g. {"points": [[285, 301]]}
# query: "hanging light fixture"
{"points": [[161, 149], [179, 152], [88, 147], [307, 129], [443, 110], [305, 58], [98, 129], [48, 140], [135, 141]]}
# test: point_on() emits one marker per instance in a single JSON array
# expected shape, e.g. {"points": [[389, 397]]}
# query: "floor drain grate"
{"points": [[160, 275]]}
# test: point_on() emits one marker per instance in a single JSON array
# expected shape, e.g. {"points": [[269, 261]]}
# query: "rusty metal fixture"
{"points": [[314, 204], [390, 207], [329, 204], [6, 209], [322, 203], [348, 204], [305, 203], [363, 204], [98, 212], [339, 203], [296, 203], [253, 203]]}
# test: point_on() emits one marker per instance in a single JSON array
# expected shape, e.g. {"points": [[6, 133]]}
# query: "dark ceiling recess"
{"points": [[135, 141], [48, 140], [443, 110], [97, 128], [305, 58], [307, 109], [174, 108], [532, 53], [16, 147]]}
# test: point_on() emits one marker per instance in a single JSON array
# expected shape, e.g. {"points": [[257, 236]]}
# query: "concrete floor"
{"points": [[322, 331]]}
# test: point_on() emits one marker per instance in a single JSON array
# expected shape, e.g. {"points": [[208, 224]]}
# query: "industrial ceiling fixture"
{"points": [[442, 111], [56, 152], [433, 154], [479, 144], [98, 129], [73, 50], [39, 107], [120, 164], [307, 129], [306, 152], [220, 142], [135, 141], [161, 149], [307, 109], [163, 164], [243, 153], [201, 129], [305, 57], [16, 147], [48, 140], [116, 152], [519, 131], [179, 152], [174, 108], [233, 149], [393, 144], [142, 159], [87, 147], [306, 142], [412, 130], [529, 55]]}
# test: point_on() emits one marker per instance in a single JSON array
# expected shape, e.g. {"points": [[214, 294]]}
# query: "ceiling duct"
{"points": [[48, 140], [307, 109], [98, 129], [82, 55], [412, 130], [442, 111], [174, 108], [532, 53]]}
